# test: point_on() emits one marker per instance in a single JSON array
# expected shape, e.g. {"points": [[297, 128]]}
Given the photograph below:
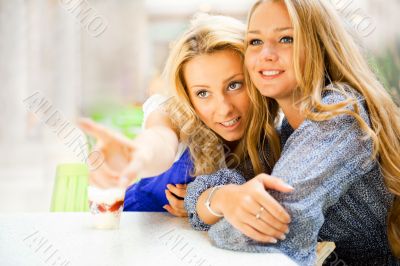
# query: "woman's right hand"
{"points": [[242, 204], [117, 152]]}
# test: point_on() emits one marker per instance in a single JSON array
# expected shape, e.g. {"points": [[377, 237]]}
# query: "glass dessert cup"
{"points": [[106, 206]]}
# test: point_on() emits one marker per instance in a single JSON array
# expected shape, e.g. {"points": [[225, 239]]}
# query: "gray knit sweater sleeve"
{"points": [[201, 184], [321, 160]]}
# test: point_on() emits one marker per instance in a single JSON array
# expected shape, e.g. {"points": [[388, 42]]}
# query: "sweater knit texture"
{"points": [[339, 194]]}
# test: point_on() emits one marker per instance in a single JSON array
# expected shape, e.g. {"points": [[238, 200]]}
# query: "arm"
{"points": [[151, 153], [155, 147], [321, 160], [234, 201], [198, 189]]}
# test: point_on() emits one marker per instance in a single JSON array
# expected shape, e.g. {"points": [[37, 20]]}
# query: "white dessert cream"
{"points": [[106, 206]]}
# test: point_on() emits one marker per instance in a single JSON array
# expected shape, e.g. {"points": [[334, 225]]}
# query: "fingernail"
{"points": [[164, 207], [287, 231], [168, 186], [282, 237], [289, 186], [274, 240]]}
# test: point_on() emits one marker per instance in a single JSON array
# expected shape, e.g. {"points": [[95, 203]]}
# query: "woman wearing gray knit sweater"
{"points": [[338, 146]]}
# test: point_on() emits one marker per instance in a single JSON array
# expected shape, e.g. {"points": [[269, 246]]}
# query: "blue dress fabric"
{"points": [[339, 194], [148, 195]]}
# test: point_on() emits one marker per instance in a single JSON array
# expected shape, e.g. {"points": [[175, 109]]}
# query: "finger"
{"points": [[177, 191], [101, 132], [275, 183], [265, 216], [93, 181], [175, 212], [269, 203], [93, 129], [179, 206], [181, 211], [253, 207], [173, 201], [108, 171], [273, 207], [103, 178], [181, 185], [261, 226], [254, 234], [95, 159]]}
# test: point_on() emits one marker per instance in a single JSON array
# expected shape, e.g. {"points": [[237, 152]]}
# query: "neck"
{"points": [[292, 112], [232, 145]]}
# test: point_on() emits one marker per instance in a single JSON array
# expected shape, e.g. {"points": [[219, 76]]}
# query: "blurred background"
{"points": [[61, 59]]}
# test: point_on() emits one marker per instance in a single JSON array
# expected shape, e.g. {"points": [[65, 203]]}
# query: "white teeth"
{"points": [[271, 73], [230, 123]]}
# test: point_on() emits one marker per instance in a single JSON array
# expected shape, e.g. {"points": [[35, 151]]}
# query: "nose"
{"points": [[224, 106], [268, 53]]}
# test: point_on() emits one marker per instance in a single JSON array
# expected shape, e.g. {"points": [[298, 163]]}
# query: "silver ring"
{"points": [[258, 215]]}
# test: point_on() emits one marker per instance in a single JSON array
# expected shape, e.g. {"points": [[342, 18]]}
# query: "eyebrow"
{"points": [[275, 30], [225, 81], [232, 77]]}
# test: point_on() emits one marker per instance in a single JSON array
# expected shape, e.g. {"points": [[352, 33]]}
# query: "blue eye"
{"points": [[235, 85], [202, 94], [286, 39], [255, 42]]}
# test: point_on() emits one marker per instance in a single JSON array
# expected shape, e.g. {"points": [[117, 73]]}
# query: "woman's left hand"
{"points": [[175, 195]]}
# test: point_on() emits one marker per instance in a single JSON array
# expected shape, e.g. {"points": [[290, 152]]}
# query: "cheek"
{"points": [[290, 59], [203, 112], [250, 59], [242, 103], [251, 67]]}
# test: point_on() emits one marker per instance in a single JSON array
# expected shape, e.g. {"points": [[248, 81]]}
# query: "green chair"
{"points": [[70, 188]]}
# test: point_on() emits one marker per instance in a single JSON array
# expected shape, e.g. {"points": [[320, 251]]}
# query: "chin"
{"points": [[231, 138], [265, 92]]}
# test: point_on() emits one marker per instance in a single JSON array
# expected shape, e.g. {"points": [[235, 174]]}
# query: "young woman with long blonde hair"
{"points": [[192, 133], [339, 143]]}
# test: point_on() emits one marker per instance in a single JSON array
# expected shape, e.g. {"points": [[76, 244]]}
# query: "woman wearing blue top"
{"points": [[197, 131], [339, 145]]}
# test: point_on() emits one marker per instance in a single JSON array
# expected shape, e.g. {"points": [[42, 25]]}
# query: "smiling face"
{"points": [[216, 88], [269, 55]]}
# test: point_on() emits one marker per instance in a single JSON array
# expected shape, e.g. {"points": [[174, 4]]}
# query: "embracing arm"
{"points": [[197, 193], [235, 200], [321, 160]]}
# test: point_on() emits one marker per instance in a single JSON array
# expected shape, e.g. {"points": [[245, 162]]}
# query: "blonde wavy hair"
{"points": [[332, 53], [207, 34]]}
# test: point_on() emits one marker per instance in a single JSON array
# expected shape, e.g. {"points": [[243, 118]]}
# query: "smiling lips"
{"points": [[271, 74], [230, 123]]}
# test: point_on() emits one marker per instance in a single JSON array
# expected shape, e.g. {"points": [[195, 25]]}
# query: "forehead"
{"points": [[214, 66], [270, 14]]}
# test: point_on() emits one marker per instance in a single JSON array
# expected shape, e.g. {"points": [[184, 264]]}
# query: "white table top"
{"points": [[143, 239]]}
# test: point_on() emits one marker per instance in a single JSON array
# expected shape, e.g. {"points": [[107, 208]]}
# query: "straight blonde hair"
{"points": [[332, 52]]}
